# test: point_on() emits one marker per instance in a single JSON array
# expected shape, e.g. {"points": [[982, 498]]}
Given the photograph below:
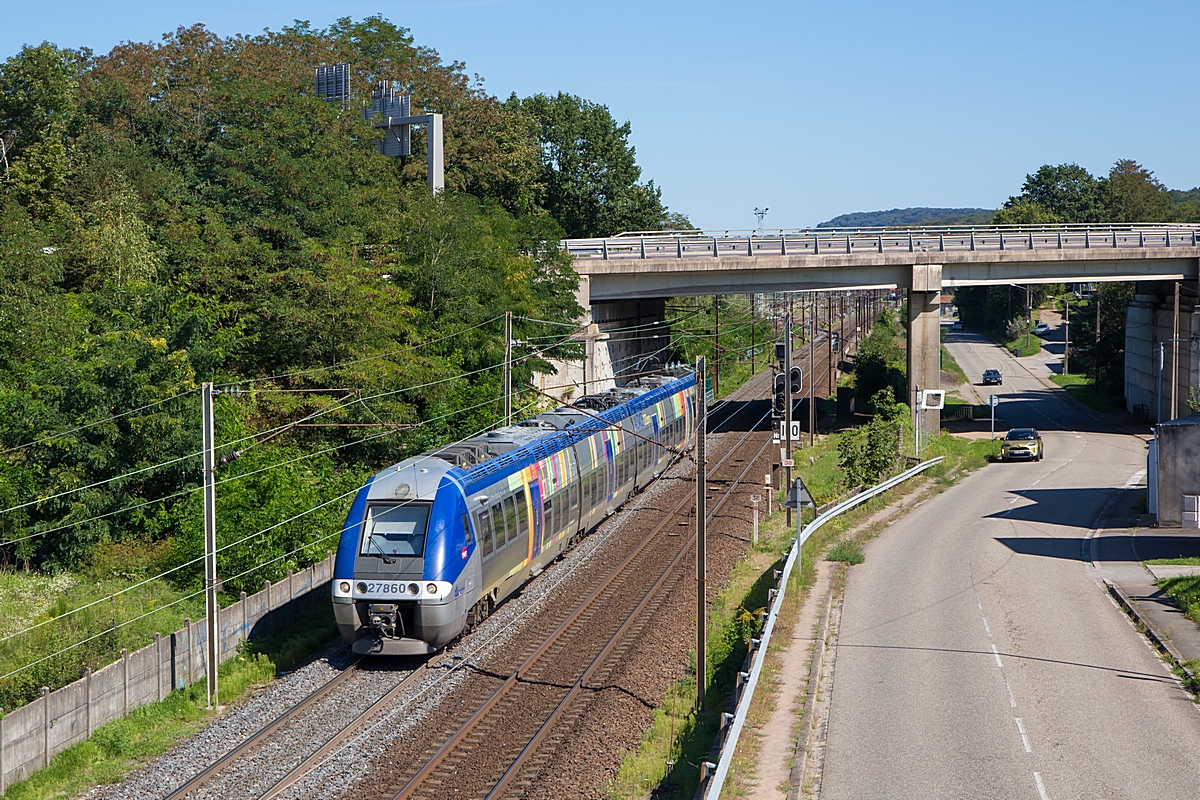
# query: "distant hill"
{"points": [[911, 216]]}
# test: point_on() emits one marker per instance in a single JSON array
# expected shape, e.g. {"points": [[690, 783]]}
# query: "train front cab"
{"points": [[404, 577]]}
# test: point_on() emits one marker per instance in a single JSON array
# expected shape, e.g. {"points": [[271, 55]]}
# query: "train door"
{"points": [[539, 522]]}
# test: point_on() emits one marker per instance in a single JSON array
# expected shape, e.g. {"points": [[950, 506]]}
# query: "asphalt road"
{"points": [[978, 656]]}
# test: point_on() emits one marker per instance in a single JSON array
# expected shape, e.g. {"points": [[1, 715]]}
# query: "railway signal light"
{"points": [[780, 393], [797, 381], [780, 352]]}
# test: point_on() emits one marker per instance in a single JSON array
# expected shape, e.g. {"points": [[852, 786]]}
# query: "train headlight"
{"points": [[414, 589], [344, 587], [431, 588], [362, 588]]}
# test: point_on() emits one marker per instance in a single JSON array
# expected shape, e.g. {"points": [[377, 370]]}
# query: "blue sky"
{"points": [[810, 109]]}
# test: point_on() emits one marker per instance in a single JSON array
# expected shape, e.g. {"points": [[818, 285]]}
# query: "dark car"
{"points": [[1022, 443], [992, 377]]}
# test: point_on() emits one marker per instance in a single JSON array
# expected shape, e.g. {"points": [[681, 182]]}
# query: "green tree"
{"points": [[1137, 196], [1022, 211], [590, 178], [1067, 191]]}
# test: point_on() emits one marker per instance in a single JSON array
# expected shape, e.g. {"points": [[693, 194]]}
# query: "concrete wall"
{"points": [[1148, 321], [1178, 454], [31, 735]]}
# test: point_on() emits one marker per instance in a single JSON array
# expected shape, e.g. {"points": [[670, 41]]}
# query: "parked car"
{"points": [[992, 377], [957, 326], [1022, 443], [1041, 329]]}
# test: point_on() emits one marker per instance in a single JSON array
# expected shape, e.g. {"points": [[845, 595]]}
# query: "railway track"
{"points": [[501, 746], [239, 770]]}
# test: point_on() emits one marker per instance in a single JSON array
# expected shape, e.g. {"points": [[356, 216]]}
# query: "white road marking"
{"points": [[979, 602], [1024, 736], [987, 627], [1012, 700], [1015, 499], [996, 653], [1041, 787]]}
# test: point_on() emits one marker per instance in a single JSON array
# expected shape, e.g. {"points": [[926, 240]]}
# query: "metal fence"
{"points": [[846, 241], [32, 734], [712, 776]]}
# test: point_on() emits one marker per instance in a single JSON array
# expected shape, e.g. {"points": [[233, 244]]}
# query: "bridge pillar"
{"points": [[1149, 320], [925, 339]]}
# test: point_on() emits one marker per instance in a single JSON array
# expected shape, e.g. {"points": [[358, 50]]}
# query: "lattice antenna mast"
{"points": [[760, 213]]}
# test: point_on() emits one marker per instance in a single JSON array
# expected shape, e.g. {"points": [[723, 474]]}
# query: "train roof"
{"points": [[504, 450]]}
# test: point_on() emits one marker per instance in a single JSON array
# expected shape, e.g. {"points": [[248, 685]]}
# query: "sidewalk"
{"points": [[1118, 552]]}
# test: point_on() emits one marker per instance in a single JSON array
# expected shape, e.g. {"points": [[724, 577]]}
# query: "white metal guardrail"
{"points": [[842, 241], [711, 787]]}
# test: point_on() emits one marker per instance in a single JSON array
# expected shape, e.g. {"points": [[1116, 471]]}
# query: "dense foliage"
{"points": [[188, 211], [1068, 193]]}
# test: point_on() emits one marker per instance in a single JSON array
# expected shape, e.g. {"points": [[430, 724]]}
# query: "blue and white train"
{"points": [[433, 544]]}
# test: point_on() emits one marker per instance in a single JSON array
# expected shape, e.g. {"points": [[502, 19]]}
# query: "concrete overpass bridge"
{"points": [[629, 276]]}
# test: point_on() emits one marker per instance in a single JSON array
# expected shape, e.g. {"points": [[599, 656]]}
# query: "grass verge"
{"points": [[1023, 346], [1185, 592], [126, 744], [1083, 390], [1190, 561], [951, 368]]}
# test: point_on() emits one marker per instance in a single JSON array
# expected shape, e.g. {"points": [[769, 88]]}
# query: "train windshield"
{"points": [[395, 529]]}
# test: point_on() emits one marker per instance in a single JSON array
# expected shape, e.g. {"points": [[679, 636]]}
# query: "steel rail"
{"points": [[449, 746], [511, 773], [208, 773], [335, 741]]}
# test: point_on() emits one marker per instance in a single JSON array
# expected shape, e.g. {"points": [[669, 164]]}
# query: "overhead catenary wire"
{"points": [[365, 359], [93, 424], [196, 454], [221, 549]]}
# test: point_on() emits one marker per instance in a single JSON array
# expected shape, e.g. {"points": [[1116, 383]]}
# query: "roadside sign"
{"points": [[798, 496], [933, 399], [789, 463], [993, 400], [782, 432]]}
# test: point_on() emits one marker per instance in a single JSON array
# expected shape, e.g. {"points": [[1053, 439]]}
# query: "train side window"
{"points": [[498, 524], [485, 532], [510, 520], [466, 531], [548, 505], [522, 513]]}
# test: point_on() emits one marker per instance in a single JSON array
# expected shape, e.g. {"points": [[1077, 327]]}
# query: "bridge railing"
{"points": [[850, 241]]}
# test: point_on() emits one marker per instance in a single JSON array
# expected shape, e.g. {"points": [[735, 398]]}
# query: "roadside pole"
{"points": [[212, 610], [812, 375], [993, 401], [787, 406], [701, 511], [507, 367], [1175, 359]]}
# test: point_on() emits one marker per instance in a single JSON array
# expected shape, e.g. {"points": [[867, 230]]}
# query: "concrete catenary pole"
{"points": [[787, 406], [812, 375], [508, 341], [701, 555], [716, 376], [212, 610]]}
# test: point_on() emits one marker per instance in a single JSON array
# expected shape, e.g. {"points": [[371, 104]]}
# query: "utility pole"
{"points": [[787, 406], [508, 342], [1067, 337], [211, 609], [1175, 358], [753, 325], [829, 342], [701, 566], [716, 376], [1029, 311], [812, 375], [1096, 350]]}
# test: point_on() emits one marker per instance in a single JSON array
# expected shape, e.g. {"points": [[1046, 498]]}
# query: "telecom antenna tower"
{"points": [[391, 111], [760, 213]]}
